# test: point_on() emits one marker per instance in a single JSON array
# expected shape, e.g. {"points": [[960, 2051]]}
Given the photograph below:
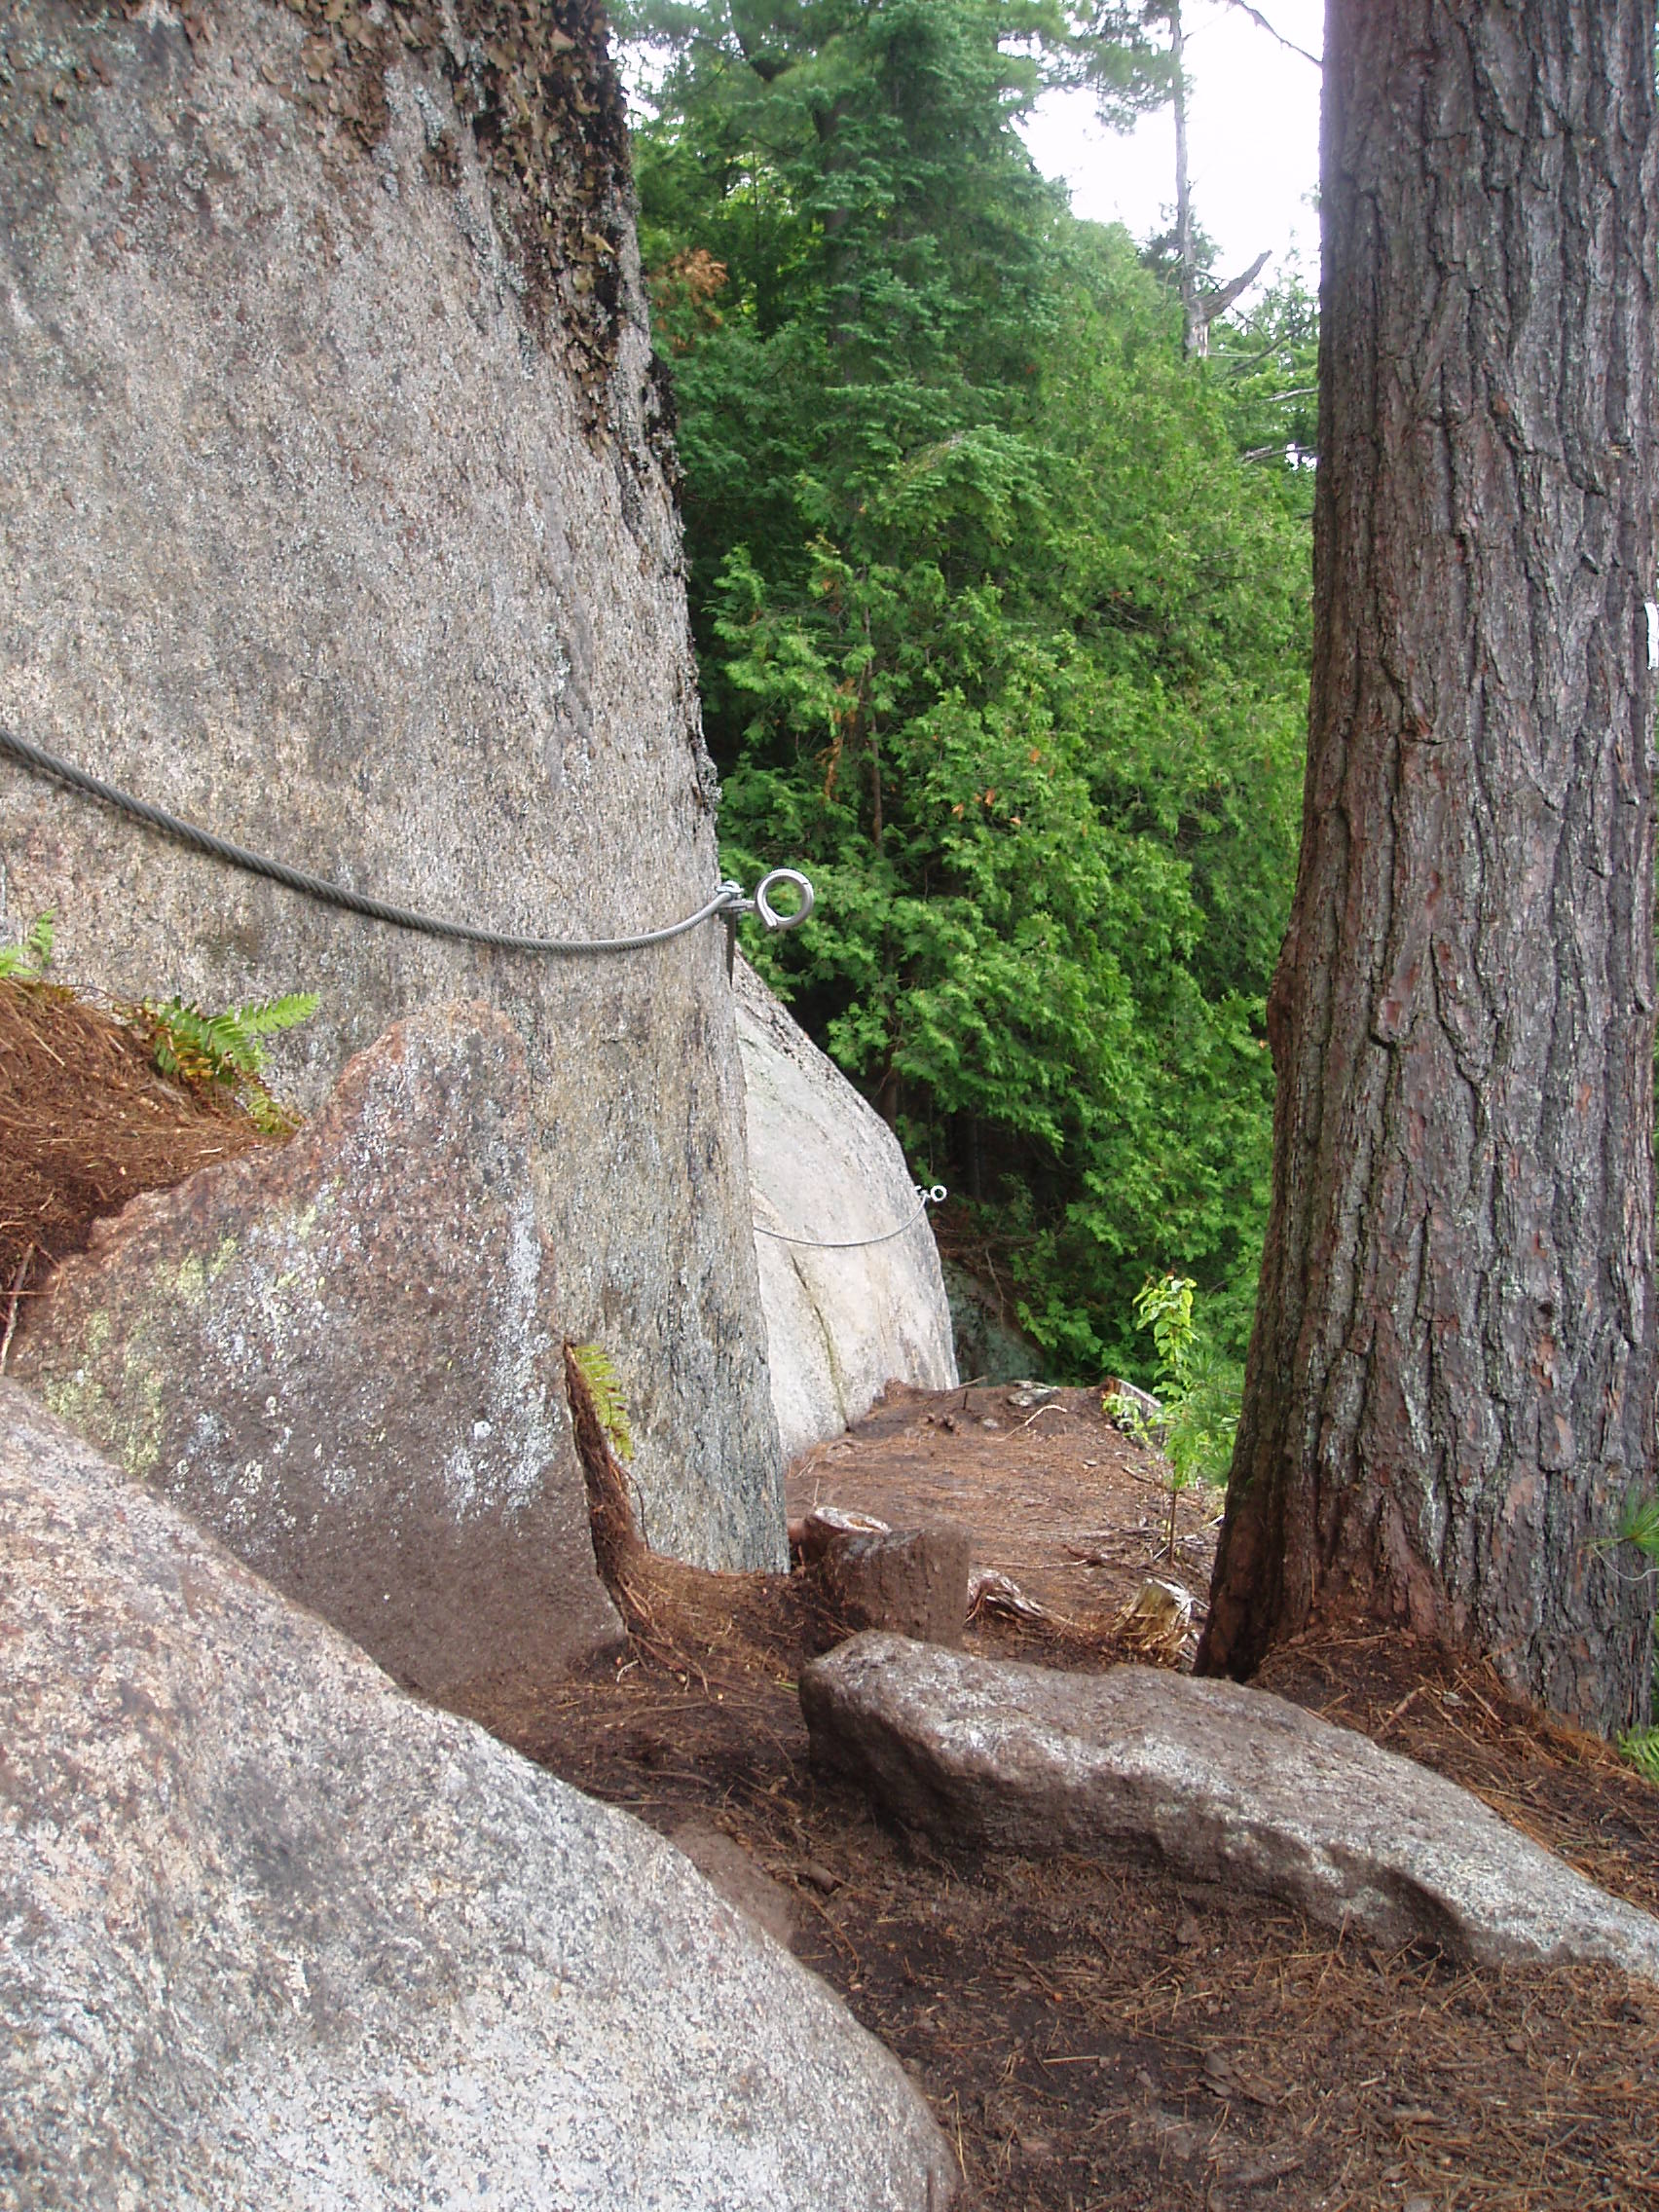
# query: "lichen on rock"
{"points": [[533, 83]]}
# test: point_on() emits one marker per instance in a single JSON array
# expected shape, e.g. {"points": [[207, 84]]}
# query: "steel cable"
{"points": [[928, 1198], [728, 899]]}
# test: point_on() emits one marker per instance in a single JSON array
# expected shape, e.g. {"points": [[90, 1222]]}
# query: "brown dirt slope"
{"points": [[86, 1123]]}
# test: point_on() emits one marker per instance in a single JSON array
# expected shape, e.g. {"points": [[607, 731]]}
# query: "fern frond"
{"points": [[605, 1388], [31, 957], [229, 1040], [221, 1050], [269, 1114], [270, 1015], [1640, 1747]]}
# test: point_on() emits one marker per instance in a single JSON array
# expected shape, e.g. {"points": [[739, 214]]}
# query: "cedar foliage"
{"points": [[1002, 613]]}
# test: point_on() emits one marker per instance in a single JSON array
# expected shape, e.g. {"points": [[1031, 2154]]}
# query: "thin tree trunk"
{"points": [[1451, 1387], [1195, 330], [877, 826], [1197, 314]]}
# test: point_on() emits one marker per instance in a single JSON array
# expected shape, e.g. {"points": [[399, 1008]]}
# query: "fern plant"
{"points": [[605, 1389], [1641, 1746], [222, 1053], [28, 960]]}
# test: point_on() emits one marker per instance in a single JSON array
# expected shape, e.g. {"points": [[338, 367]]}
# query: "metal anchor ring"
{"points": [[768, 913]]}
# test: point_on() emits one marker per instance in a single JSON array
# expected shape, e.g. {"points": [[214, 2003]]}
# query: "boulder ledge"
{"points": [[823, 1165], [342, 1357]]}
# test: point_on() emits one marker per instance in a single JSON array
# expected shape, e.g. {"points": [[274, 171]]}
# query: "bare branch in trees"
{"points": [[1262, 24]]}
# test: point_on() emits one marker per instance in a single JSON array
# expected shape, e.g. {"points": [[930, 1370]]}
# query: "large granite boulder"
{"points": [[340, 1355], [1210, 1779], [337, 514], [826, 1170], [279, 1938]]}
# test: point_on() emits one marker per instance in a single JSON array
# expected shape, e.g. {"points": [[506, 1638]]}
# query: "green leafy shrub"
{"points": [[1198, 1389]]}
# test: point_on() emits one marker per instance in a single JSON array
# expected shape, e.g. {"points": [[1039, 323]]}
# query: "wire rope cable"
{"points": [[930, 1196], [728, 899]]}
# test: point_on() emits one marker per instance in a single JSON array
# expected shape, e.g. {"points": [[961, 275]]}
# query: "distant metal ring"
{"points": [[768, 913], [933, 1197]]}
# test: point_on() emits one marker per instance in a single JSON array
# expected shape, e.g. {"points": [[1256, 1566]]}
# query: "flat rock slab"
{"points": [[1212, 1779], [341, 1357], [279, 1938]]}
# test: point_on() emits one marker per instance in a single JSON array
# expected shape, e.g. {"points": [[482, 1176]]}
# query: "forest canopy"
{"points": [[1002, 612]]}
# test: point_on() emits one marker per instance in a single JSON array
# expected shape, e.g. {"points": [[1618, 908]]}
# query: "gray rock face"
{"points": [[824, 1164], [341, 1356], [281, 1939], [329, 520], [1213, 1779]]}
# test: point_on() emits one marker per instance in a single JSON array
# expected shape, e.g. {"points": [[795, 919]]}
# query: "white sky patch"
{"points": [[1253, 141]]}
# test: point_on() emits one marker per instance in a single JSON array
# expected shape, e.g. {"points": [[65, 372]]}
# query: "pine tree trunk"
{"points": [[1451, 1385]]}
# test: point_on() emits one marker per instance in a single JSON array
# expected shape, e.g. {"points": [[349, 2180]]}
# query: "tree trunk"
{"points": [[1195, 331], [1451, 1387]]}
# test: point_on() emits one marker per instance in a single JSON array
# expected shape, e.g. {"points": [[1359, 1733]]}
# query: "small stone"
{"points": [[826, 1525]]}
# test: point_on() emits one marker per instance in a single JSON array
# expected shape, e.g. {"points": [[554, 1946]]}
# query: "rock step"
{"points": [[342, 1357], [1212, 1779], [911, 1581]]}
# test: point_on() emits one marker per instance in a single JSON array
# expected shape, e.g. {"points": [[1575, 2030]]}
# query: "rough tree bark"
{"points": [[1451, 1387]]}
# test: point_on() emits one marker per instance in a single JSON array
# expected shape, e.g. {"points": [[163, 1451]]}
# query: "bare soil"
{"points": [[1098, 2037]]}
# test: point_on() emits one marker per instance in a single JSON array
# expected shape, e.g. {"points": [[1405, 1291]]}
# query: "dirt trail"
{"points": [[1055, 1496], [1104, 2038]]}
